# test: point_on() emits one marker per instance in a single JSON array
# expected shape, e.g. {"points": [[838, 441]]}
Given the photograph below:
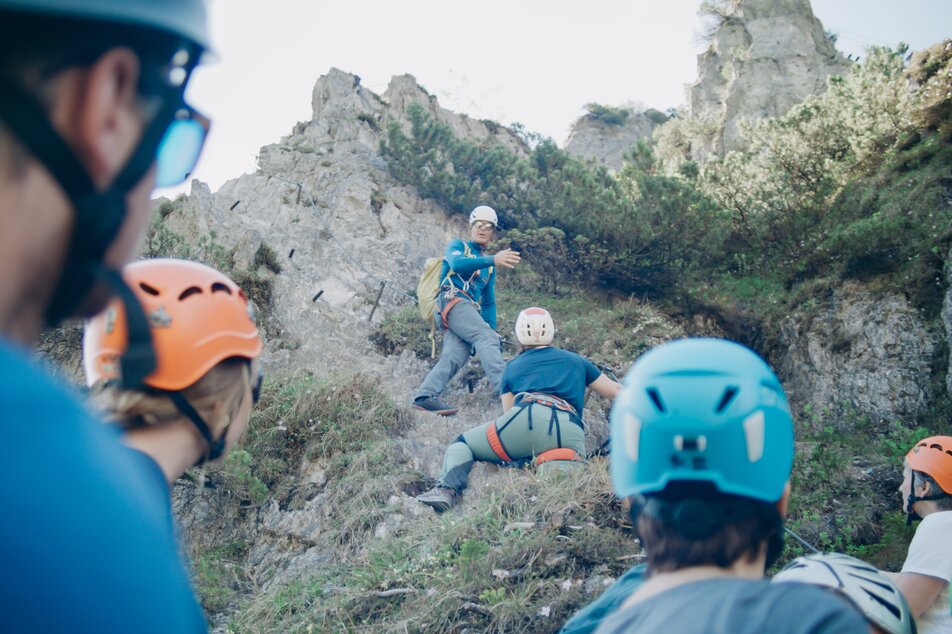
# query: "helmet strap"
{"points": [[694, 518], [139, 360], [912, 516], [215, 447], [98, 215]]}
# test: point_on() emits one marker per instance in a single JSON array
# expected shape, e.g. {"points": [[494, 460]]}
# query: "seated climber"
{"points": [[543, 398], [466, 311], [196, 404], [869, 590], [703, 448], [927, 496]]}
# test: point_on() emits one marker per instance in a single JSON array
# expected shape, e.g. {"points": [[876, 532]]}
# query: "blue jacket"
{"points": [[475, 275], [587, 620], [86, 537]]}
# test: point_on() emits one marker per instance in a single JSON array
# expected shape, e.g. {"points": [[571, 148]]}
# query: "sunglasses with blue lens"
{"points": [[180, 147]]}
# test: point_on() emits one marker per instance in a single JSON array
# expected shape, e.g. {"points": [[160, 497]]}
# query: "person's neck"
{"points": [[924, 508], [663, 581], [175, 447]]}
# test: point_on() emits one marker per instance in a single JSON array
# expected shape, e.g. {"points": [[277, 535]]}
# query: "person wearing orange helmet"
{"points": [[927, 496], [196, 404]]}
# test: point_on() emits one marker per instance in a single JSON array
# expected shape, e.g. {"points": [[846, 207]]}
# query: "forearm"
{"points": [[606, 387], [920, 590], [466, 266]]}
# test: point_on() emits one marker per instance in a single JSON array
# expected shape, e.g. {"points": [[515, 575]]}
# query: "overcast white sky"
{"points": [[536, 62]]}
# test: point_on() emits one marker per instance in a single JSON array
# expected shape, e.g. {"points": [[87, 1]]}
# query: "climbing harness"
{"points": [[563, 454], [526, 400]]}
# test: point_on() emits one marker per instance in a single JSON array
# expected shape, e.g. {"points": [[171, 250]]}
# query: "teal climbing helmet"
{"points": [[184, 18], [702, 410]]}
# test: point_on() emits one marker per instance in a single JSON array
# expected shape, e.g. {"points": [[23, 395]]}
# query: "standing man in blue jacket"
{"points": [[92, 118], [466, 311]]}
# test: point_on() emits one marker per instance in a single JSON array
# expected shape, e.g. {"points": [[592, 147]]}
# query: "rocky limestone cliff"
{"points": [[606, 143], [860, 355], [765, 57]]}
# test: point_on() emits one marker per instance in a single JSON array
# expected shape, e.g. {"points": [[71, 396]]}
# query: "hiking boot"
{"points": [[439, 498], [435, 405]]}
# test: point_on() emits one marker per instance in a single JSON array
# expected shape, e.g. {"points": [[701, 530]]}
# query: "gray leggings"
{"points": [[525, 432]]}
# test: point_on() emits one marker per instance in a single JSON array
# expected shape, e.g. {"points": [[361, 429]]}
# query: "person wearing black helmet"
{"points": [[702, 447], [92, 118]]}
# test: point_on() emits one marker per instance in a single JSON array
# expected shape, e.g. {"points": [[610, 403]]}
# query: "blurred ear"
{"points": [[922, 488], [783, 504], [97, 113]]}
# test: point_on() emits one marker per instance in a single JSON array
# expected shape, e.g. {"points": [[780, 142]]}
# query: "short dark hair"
{"points": [[694, 525], [919, 477]]}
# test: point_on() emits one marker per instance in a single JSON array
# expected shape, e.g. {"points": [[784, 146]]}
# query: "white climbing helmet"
{"points": [[534, 327], [486, 213], [874, 594]]}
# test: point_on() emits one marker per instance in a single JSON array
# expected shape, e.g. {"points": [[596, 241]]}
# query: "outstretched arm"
{"points": [[461, 264], [605, 386], [920, 590]]}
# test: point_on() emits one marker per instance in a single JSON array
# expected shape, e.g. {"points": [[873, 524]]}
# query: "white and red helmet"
{"points": [[534, 327]]}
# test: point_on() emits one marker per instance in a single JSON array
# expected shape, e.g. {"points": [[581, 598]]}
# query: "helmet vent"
{"points": [[219, 287], [893, 609], [188, 292], [726, 399], [866, 579], [148, 289], [656, 399]]}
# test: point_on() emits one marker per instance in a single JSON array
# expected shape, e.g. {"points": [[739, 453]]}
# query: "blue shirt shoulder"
{"points": [[586, 620], [86, 539], [551, 371], [739, 606]]}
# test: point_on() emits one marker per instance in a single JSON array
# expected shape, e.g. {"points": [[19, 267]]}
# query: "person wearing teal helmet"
{"points": [[92, 118], [702, 447]]}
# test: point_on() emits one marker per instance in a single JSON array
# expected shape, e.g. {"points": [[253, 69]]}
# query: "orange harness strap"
{"points": [[446, 310], [493, 437], [563, 453]]}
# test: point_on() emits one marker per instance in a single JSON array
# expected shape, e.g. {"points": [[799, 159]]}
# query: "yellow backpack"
{"points": [[429, 287]]}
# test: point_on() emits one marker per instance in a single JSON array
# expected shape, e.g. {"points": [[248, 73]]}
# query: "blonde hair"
{"points": [[224, 384]]}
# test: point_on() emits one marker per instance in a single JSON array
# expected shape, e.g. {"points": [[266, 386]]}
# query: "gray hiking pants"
{"points": [[525, 432], [467, 330]]}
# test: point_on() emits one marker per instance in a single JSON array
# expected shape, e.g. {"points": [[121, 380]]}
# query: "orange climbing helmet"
{"points": [[198, 318], [933, 456]]}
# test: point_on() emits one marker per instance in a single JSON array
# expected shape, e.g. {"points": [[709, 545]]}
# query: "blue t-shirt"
{"points": [[474, 274], [590, 617], [86, 542], [551, 371], [739, 606]]}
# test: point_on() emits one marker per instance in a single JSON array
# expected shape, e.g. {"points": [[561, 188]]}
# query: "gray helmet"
{"points": [[872, 592], [185, 18]]}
